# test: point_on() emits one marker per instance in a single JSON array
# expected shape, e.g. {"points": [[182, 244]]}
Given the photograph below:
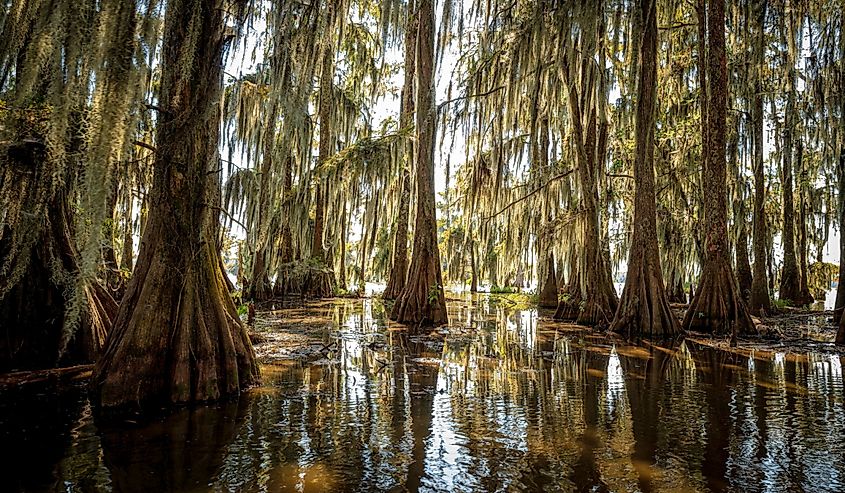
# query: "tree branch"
{"points": [[531, 194], [468, 96], [145, 145]]}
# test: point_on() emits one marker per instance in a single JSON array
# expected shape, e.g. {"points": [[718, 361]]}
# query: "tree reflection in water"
{"points": [[504, 401]]}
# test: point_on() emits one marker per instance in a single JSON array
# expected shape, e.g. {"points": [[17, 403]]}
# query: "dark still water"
{"points": [[504, 402]]}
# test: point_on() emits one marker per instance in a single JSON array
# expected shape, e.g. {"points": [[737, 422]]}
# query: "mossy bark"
{"points": [[743, 265], [597, 291], [422, 301], [549, 292], [177, 337], [805, 298], [399, 268], [260, 288], [644, 307], [760, 300], [36, 331], [325, 147], [790, 284], [717, 307]]}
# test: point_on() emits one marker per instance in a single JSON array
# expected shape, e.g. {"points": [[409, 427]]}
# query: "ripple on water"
{"points": [[492, 406]]}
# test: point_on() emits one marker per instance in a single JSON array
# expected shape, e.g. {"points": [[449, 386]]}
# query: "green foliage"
{"points": [[781, 304], [434, 294], [503, 290]]}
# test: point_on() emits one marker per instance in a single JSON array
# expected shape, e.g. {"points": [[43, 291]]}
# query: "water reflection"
{"points": [[503, 401]]}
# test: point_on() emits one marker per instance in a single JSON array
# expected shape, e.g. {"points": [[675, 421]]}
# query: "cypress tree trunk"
{"points": [[399, 269], [760, 301], [191, 346], [644, 307], [35, 311], [839, 307], [743, 264], [717, 307], [344, 222], [548, 292], [128, 247], [701, 16], [260, 288], [422, 300], [804, 295], [473, 286], [790, 288], [548, 297], [596, 288], [325, 110], [286, 254]]}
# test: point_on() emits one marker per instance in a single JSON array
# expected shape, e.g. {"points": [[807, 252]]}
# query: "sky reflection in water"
{"points": [[503, 402]]}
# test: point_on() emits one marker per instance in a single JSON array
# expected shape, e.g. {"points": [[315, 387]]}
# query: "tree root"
{"points": [[304, 279], [718, 307]]}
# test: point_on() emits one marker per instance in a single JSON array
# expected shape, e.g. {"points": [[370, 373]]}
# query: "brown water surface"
{"points": [[503, 401]]}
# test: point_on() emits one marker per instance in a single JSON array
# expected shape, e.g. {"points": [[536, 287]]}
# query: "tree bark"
{"points": [[191, 345], [644, 307], [597, 289], [804, 296], [325, 110], [548, 295], [473, 286], [35, 312], [743, 264], [790, 288], [260, 288], [128, 247], [422, 301], [399, 268], [717, 307], [760, 300], [839, 306]]}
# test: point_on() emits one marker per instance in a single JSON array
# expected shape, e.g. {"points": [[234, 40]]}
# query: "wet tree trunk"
{"points": [[760, 300], [49, 316], [570, 296], [192, 346], [644, 307], [422, 301], [35, 312], [789, 281], [399, 268], [718, 307], [549, 291]]}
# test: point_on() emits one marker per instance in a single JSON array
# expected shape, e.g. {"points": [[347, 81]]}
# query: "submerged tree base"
{"points": [[307, 279], [190, 348], [49, 317], [422, 302], [718, 307]]}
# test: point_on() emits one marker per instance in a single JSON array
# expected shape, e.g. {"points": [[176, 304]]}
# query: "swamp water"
{"points": [[506, 400]]}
